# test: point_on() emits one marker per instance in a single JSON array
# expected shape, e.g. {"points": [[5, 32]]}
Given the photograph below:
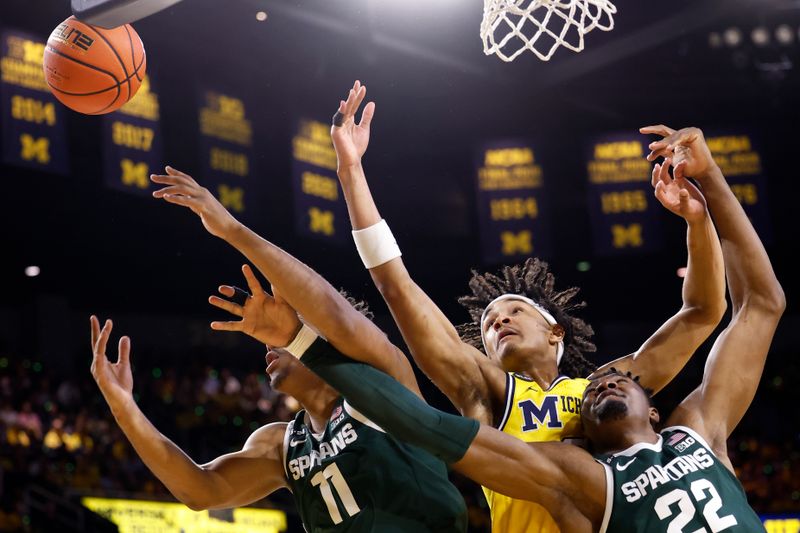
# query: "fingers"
{"points": [[654, 179], [227, 326], [185, 201], [95, 327], [225, 305], [661, 193], [174, 189], [659, 129], [680, 170], [175, 172], [661, 173], [367, 114], [124, 353], [102, 339], [683, 198], [361, 93], [252, 280], [226, 290]]}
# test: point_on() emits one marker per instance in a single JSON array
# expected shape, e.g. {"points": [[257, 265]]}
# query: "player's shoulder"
{"points": [[267, 437]]}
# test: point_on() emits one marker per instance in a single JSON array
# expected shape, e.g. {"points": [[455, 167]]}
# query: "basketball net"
{"points": [[510, 27]]}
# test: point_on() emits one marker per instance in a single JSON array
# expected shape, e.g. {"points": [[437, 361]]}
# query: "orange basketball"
{"points": [[94, 70]]}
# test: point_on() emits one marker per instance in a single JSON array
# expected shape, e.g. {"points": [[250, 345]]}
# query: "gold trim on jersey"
{"points": [[533, 414]]}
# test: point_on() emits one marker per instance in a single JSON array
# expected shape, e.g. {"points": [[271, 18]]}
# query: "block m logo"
{"points": [[134, 174], [532, 413], [624, 236], [35, 149], [321, 221], [231, 197], [516, 243]]}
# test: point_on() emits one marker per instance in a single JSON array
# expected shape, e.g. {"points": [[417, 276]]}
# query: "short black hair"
{"points": [[533, 280]]}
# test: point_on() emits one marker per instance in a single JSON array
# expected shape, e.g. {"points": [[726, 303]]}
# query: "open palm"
{"points": [[268, 319], [350, 139]]}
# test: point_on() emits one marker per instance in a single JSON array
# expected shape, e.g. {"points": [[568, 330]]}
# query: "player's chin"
{"points": [[611, 408]]}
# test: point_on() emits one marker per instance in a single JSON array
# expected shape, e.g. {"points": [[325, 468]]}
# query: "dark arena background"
{"points": [[240, 94]]}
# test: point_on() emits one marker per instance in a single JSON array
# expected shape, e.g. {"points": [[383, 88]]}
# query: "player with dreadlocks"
{"points": [[529, 381], [635, 480]]}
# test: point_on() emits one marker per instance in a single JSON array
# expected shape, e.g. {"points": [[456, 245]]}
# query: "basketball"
{"points": [[94, 70]]}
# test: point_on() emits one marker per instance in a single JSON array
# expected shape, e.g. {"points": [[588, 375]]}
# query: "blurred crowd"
{"points": [[56, 432]]}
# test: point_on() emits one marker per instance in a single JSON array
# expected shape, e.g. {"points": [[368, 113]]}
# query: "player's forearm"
{"points": [[704, 284], [430, 336], [360, 204], [388, 404], [187, 481], [751, 278]]}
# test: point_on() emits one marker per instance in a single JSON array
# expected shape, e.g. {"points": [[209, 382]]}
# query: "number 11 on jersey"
{"points": [[331, 475]]}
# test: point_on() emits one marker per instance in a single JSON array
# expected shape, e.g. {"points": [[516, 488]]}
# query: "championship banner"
{"points": [[226, 149], [739, 157], [319, 206], [512, 210], [34, 132], [624, 213], [133, 143], [133, 516]]}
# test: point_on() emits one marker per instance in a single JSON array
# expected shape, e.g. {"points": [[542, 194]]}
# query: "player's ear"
{"points": [[557, 333], [655, 418]]}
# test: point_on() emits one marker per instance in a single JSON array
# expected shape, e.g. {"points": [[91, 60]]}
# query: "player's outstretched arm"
{"points": [[228, 481], [666, 352], [736, 362], [464, 374], [306, 291], [563, 478]]}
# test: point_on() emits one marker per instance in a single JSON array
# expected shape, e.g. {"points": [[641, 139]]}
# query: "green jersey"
{"points": [[676, 485], [356, 478]]}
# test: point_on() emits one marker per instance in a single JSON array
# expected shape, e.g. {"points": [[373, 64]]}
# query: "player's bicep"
{"points": [[433, 340], [233, 480]]}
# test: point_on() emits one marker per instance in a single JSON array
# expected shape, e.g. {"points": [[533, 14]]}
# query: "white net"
{"points": [[510, 27]]}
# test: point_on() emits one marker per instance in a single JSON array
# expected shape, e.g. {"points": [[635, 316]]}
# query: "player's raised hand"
{"points": [[269, 319], [350, 139], [182, 189], [679, 195], [114, 379], [686, 147]]}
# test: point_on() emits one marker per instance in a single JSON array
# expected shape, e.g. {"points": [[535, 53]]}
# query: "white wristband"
{"points": [[302, 341], [376, 245]]}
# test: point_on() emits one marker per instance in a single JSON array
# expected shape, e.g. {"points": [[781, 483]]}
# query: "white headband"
{"points": [[542, 311]]}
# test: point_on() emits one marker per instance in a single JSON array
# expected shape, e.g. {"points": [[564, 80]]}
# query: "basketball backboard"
{"points": [[113, 13]]}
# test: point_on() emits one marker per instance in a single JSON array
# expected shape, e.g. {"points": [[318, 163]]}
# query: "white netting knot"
{"points": [[511, 27]]}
